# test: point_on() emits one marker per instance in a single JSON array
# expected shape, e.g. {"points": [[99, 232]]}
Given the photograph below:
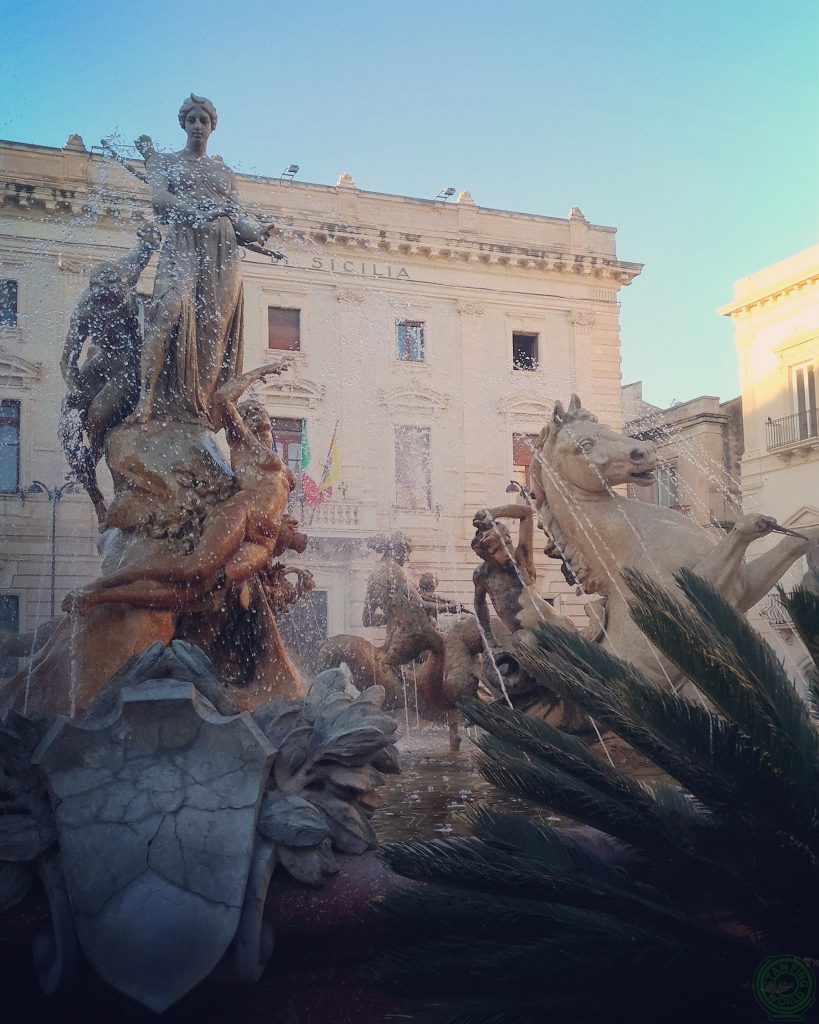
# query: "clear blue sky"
{"points": [[692, 127]]}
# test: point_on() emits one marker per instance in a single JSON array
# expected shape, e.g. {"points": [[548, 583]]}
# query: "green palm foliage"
{"points": [[667, 897]]}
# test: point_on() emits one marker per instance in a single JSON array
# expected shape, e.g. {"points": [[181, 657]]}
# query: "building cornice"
{"points": [[772, 293], [476, 236]]}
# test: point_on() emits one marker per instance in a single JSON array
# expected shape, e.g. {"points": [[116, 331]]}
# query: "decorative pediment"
{"points": [[523, 406], [293, 390], [788, 349], [414, 397], [16, 372], [808, 515]]}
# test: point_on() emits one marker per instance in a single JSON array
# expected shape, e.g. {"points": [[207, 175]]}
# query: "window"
{"points": [[413, 486], [524, 351], [409, 341], [803, 399], [283, 329], [522, 455], [9, 446], [287, 435], [9, 623], [8, 303], [667, 489]]}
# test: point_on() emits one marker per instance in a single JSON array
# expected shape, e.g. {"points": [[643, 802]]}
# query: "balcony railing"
{"points": [[788, 430], [335, 515], [775, 613]]}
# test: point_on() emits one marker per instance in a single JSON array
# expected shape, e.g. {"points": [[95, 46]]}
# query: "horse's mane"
{"points": [[559, 544]]}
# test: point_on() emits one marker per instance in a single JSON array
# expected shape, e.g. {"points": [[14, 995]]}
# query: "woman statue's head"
{"points": [[193, 101]]}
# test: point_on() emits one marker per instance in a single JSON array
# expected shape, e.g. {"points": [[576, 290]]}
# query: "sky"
{"points": [[692, 127]]}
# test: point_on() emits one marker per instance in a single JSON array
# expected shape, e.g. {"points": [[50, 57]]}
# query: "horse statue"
{"points": [[576, 465]]}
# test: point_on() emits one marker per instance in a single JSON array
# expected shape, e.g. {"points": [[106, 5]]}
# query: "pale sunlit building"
{"points": [[430, 337], [776, 316]]}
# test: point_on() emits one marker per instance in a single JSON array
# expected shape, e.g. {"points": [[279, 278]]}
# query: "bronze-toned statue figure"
{"points": [[506, 574], [394, 601], [239, 536], [103, 390], [189, 542]]}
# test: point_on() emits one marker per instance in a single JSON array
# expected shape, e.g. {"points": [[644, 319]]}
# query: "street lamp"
{"points": [[54, 494], [514, 487]]}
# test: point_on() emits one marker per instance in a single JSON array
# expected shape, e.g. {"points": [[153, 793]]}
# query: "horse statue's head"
{"points": [[583, 455]]}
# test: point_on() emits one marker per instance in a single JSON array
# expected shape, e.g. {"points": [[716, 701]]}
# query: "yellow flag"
{"points": [[332, 467]]}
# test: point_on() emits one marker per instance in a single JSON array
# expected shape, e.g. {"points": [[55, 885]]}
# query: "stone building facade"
{"points": [[776, 318], [432, 337], [699, 445]]}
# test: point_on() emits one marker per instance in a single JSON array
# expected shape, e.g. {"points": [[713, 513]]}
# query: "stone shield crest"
{"points": [[155, 807]]}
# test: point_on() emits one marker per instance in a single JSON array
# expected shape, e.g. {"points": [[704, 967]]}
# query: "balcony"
{"points": [[336, 516], [790, 431], [775, 613]]}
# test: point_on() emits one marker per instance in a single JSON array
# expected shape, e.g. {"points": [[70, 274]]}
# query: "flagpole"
{"points": [[329, 460], [327, 464]]}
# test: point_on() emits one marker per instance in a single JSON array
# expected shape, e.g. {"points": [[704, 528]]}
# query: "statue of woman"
{"points": [[193, 341]]}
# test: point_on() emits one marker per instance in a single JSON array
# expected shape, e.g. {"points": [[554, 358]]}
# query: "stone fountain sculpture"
{"points": [[151, 802], [188, 542], [155, 821], [596, 531], [448, 672]]}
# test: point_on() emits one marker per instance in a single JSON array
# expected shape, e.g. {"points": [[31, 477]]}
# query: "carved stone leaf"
{"points": [[329, 865], [278, 718], [304, 865], [356, 747], [351, 780], [15, 881], [334, 722], [350, 828], [291, 821], [292, 755], [387, 760], [374, 695], [332, 705], [23, 838], [325, 685]]}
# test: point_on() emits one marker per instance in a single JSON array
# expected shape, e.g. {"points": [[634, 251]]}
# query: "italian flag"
{"points": [[309, 487], [316, 493]]}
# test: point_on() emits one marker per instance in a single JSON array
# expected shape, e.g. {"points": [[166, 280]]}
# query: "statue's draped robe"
{"points": [[201, 265]]}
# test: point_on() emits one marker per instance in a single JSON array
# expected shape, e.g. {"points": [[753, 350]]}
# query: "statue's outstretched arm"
{"points": [[224, 411], [522, 512], [78, 330], [524, 553], [248, 229], [132, 265]]}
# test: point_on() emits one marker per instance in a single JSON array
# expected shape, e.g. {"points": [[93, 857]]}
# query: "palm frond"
{"points": [[803, 607], [523, 921]]}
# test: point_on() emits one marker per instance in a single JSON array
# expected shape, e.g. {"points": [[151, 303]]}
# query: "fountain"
{"points": [[153, 785], [160, 757]]}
